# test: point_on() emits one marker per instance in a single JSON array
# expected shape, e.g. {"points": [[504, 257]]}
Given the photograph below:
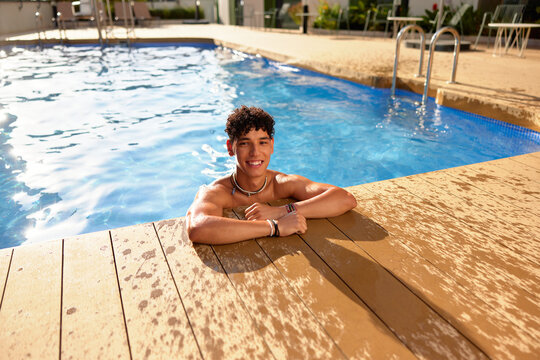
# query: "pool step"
{"points": [[441, 45]]}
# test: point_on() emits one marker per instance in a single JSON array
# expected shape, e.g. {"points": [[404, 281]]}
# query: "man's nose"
{"points": [[254, 150]]}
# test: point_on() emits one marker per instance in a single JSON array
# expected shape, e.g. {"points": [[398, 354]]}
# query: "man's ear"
{"points": [[272, 142], [229, 147]]}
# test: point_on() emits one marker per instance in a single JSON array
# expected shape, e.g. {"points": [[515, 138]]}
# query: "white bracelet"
{"points": [[271, 228]]}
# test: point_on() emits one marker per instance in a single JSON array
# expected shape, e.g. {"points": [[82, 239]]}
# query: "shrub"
{"points": [[295, 9], [357, 15], [328, 16], [177, 13], [470, 21]]}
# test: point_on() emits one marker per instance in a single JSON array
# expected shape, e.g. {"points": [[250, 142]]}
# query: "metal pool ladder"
{"points": [[401, 33], [434, 38]]}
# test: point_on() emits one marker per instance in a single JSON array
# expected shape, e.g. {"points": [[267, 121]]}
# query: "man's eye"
{"points": [[242, 144], [264, 142]]}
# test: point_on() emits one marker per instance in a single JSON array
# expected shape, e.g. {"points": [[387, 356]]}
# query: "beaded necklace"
{"points": [[245, 192]]}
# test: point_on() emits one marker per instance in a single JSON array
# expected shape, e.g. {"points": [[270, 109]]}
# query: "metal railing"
{"points": [[39, 25], [434, 38], [130, 27], [101, 16], [402, 32]]}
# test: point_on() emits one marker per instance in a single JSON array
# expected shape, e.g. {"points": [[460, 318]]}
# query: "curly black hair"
{"points": [[244, 118]]}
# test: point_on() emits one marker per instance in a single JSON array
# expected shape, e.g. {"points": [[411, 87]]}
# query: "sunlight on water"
{"points": [[93, 138]]}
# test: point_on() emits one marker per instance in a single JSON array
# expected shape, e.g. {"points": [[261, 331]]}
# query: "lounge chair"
{"points": [[102, 14], [455, 20], [283, 15], [65, 14], [502, 14], [142, 14], [123, 13], [277, 16], [343, 16], [380, 16]]}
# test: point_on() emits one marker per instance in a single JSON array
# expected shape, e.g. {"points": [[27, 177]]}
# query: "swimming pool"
{"points": [[96, 138]]}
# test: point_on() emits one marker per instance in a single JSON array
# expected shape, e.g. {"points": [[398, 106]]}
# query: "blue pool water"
{"points": [[93, 138]]}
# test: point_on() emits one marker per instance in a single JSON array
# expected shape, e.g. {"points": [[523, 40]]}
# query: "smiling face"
{"points": [[253, 151]]}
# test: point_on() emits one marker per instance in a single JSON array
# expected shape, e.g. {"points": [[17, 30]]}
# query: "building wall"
{"points": [[224, 11], [253, 13], [161, 4], [417, 7], [15, 19]]}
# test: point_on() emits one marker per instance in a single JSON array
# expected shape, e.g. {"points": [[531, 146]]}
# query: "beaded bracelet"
{"points": [[290, 207]]}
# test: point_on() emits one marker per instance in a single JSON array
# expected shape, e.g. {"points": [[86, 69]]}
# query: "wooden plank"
{"points": [[515, 176], [459, 250], [486, 327], [511, 214], [424, 331], [289, 328], [532, 163], [535, 154], [30, 314], [157, 325], [223, 327], [471, 264], [516, 196], [353, 326], [524, 166], [92, 318], [518, 238], [5, 260]]}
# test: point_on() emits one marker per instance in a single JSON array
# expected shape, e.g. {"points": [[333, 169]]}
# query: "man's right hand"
{"points": [[292, 223]]}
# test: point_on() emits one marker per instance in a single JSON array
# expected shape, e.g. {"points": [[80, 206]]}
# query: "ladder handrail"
{"points": [[434, 38], [98, 20], [130, 29], [38, 19], [398, 43]]}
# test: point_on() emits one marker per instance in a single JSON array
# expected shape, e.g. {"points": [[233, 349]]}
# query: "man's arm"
{"points": [[206, 225], [317, 200]]}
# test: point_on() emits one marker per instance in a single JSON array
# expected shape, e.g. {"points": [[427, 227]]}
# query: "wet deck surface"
{"points": [[437, 265]]}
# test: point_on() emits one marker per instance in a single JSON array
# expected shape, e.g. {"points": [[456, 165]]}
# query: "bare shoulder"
{"points": [[211, 199], [297, 186], [284, 179]]}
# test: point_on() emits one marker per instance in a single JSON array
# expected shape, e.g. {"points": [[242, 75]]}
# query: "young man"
{"points": [[251, 140]]}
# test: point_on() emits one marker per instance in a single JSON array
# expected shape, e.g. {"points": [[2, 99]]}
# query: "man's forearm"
{"points": [[220, 230], [332, 202]]}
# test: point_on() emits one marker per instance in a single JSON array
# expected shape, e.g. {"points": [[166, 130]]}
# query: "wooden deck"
{"points": [[440, 265]]}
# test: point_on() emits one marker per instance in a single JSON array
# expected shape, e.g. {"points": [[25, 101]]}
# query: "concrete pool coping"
{"points": [[505, 88]]}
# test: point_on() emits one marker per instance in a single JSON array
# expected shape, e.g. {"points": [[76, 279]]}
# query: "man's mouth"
{"points": [[256, 163]]}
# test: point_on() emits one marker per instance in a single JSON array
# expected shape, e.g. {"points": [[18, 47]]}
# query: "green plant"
{"points": [[177, 13], [328, 16], [295, 9], [430, 16], [470, 21], [357, 15]]}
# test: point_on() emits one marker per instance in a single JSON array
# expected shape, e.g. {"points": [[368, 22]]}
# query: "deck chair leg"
{"points": [[489, 37], [368, 15], [480, 32]]}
